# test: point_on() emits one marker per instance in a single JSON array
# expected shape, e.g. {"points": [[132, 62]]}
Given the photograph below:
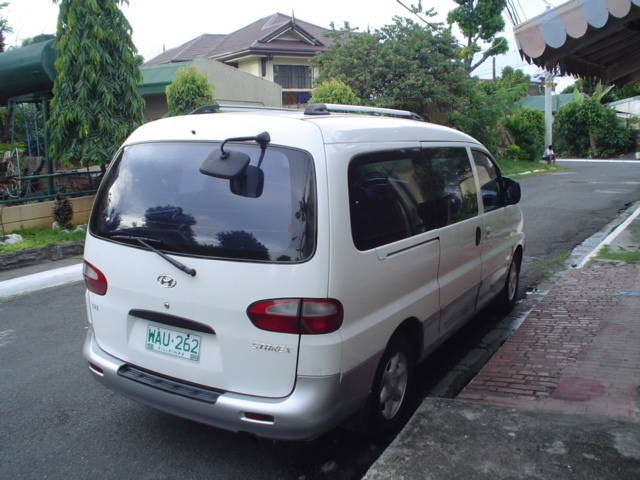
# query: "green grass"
{"points": [[549, 266], [622, 254], [514, 167], [38, 237]]}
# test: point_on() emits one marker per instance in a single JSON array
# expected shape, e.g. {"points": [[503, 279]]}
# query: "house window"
{"points": [[292, 76], [294, 99]]}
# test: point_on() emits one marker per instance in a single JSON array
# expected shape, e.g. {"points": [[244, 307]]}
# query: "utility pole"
{"points": [[548, 109], [494, 67]]}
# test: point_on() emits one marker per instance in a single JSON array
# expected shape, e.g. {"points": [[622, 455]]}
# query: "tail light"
{"points": [[311, 316], [94, 279]]}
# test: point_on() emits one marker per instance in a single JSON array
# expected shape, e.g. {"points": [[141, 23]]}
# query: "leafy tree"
{"points": [[95, 101], [483, 111], [479, 21], [37, 39], [4, 125], [188, 90], [350, 59], [526, 126], [588, 87], [334, 91], [585, 127], [4, 26], [402, 65]]}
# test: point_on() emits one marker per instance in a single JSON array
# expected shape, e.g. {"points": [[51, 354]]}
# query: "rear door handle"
{"points": [[478, 235]]}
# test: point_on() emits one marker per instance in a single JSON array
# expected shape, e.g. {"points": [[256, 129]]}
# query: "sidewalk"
{"points": [[577, 351], [560, 399]]}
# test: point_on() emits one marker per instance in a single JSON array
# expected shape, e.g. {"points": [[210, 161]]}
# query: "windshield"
{"points": [[155, 190]]}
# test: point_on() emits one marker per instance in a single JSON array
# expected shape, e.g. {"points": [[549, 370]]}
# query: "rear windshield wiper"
{"points": [[143, 241]]}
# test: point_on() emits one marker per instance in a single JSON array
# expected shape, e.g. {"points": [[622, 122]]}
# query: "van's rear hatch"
{"points": [[243, 249]]}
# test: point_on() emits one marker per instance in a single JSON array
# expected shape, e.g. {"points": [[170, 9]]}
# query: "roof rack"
{"points": [[214, 108], [327, 108]]}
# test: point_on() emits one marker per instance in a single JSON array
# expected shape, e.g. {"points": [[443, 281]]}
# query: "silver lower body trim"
{"points": [[316, 404]]}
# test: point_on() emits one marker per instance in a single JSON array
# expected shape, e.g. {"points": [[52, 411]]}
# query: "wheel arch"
{"points": [[412, 330]]}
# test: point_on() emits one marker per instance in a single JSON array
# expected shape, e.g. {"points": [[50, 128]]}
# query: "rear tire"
{"points": [[392, 386]]}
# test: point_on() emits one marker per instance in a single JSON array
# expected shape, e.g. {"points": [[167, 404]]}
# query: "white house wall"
{"points": [[235, 86], [627, 105], [250, 65]]}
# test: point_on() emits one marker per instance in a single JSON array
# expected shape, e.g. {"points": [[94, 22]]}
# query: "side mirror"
{"points": [[248, 184], [228, 164], [225, 165], [511, 193]]}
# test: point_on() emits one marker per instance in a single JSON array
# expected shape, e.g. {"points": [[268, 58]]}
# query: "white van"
{"points": [[278, 283]]}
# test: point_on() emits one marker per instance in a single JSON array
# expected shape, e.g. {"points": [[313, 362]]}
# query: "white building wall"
{"points": [[630, 105]]}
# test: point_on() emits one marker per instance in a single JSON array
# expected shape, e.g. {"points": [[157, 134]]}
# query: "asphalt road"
{"points": [[562, 209], [56, 422]]}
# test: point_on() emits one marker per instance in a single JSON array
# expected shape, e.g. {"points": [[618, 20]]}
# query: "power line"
{"points": [[524, 15]]}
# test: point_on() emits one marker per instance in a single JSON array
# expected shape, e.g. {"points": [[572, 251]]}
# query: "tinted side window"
{"points": [[450, 170], [488, 175], [382, 198], [398, 194]]}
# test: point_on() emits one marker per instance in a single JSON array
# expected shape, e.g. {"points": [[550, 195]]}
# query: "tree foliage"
{"points": [[584, 127], [479, 21], [43, 37], [334, 91], [482, 113], [588, 87], [95, 101], [188, 90], [402, 65], [4, 26]]}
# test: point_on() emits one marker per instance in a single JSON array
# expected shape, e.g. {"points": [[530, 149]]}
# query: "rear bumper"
{"points": [[315, 406]]}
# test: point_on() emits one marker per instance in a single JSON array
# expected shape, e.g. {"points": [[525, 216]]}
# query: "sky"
{"points": [[159, 24]]}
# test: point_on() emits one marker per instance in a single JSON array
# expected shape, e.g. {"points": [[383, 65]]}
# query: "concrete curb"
{"points": [[612, 234], [594, 160], [32, 256], [38, 281]]}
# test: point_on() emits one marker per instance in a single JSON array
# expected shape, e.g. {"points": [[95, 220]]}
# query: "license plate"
{"points": [[172, 342]]}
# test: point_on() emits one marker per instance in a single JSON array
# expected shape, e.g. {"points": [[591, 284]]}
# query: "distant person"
{"points": [[549, 155]]}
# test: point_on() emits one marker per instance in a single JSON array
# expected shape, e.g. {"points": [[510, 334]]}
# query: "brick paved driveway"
{"points": [[578, 350]]}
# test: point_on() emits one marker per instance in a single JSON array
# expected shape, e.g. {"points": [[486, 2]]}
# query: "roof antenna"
{"points": [[293, 17]]}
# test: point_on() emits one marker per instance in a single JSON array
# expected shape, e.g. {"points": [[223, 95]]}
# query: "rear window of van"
{"points": [[156, 191]]}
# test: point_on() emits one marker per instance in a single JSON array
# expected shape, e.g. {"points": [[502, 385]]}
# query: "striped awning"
{"points": [[588, 38]]}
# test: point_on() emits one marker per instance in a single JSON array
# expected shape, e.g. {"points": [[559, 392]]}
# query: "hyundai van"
{"points": [[279, 272]]}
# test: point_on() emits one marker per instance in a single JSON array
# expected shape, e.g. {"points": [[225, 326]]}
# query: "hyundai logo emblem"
{"points": [[167, 281]]}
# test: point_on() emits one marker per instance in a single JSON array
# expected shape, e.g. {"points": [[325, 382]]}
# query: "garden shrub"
{"points": [[526, 126], [188, 90], [62, 212], [585, 127], [334, 91], [515, 153]]}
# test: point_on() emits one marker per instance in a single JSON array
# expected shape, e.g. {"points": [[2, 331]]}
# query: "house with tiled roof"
{"points": [[278, 48]]}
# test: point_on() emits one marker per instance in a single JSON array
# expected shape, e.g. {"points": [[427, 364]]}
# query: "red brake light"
{"points": [[300, 316], [94, 279], [275, 315]]}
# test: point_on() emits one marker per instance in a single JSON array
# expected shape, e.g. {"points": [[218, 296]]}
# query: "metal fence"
{"points": [[29, 188]]}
